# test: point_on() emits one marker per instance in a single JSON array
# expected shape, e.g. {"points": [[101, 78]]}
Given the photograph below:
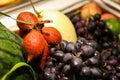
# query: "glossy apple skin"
{"points": [[61, 22]]}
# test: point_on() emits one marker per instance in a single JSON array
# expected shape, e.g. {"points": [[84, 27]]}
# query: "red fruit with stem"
{"points": [[34, 44], [51, 35], [27, 17]]}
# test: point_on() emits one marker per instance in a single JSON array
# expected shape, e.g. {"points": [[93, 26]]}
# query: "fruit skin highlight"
{"points": [[61, 22]]}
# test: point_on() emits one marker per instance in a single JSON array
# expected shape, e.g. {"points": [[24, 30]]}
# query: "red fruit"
{"points": [[51, 35], [43, 58], [34, 44], [28, 17]]}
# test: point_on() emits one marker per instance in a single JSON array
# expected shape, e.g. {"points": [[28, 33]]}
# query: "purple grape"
{"points": [[87, 50], [76, 63], [66, 69], [76, 18], [97, 17], [63, 44], [81, 31], [59, 55], [92, 43], [86, 71], [49, 75], [112, 61], [92, 61], [70, 47], [96, 72], [67, 57], [91, 26], [81, 40]]}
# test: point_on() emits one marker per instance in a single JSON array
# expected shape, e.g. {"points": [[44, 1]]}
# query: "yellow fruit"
{"points": [[61, 22]]}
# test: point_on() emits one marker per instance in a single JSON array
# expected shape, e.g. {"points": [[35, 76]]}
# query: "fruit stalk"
{"points": [[35, 9]]}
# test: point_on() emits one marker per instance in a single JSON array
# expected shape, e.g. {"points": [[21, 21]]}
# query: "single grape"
{"points": [[63, 44], [52, 51], [97, 17], [70, 47], [76, 63], [96, 72], [92, 43], [59, 55], [92, 61], [66, 69], [49, 64], [81, 40], [79, 24], [50, 76], [87, 50], [81, 31], [67, 57], [77, 45], [112, 61], [85, 71], [91, 26], [76, 18]]}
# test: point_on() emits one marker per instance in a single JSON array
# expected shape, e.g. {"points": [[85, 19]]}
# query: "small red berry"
{"points": [[34, 44], [27, 17]]}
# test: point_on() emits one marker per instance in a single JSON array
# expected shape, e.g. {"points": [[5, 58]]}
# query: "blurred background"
{"points": [[13, 7]]}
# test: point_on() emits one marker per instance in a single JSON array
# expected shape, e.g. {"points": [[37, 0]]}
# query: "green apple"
{"points": [[61, 22]]}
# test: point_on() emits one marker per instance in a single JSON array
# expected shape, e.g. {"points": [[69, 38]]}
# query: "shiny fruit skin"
{"points": [[34, 44], [113, 25], [51, 35], [28, 17]]}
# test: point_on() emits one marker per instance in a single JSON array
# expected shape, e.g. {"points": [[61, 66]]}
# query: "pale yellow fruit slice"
{"points": [[61, 22]]}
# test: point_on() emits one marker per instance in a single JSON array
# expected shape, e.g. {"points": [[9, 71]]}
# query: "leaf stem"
{"points": [[35, 9], [2, 13], [18, 66]]}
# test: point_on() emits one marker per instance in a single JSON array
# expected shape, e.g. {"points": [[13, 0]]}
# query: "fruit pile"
{"points": [[93, 53], [94, 56]]}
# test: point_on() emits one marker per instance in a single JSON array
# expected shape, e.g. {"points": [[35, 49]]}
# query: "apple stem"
{"points": [[35, 9]]}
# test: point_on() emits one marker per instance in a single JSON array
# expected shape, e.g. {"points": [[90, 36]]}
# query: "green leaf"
{"points": [[18, 72], [5, 14]]}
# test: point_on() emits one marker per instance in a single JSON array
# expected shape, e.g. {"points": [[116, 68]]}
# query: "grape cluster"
{"points": [[83, 60], [94, 56]]}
